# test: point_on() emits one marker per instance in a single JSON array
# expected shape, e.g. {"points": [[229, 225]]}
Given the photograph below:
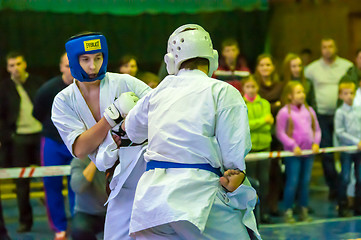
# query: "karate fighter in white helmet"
{"points": [[88, 111], [198, 135]]}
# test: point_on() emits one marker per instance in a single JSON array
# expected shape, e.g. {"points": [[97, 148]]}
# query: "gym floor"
{"points": [[325, 224]]}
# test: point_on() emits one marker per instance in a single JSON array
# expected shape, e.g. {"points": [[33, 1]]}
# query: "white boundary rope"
{"points": [[28, 172], [276, 154], [63, 170]]}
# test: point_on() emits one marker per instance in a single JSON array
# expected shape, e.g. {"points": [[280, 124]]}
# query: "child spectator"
{"points": [[149, 78], [128, 65], [260, 123], [293, 71], [298, 129], [90, 195], [232, 65], [348, 132]]}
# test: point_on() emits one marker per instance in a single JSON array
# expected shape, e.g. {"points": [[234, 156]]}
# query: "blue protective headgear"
{"points": [[88, 43]]}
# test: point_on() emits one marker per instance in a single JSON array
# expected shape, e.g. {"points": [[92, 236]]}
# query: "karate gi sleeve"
{"points": [[137, 86], [136, 122], [232, 129], [65, 119]]}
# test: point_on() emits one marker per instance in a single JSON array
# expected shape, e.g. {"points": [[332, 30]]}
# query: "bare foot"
{"points": [[232, 179]]}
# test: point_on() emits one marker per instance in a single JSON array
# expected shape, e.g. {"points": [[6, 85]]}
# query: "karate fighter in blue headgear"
{"points": [[89, 111]]}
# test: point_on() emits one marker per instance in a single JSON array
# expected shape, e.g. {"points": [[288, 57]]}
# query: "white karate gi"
{"points": [[72, 116], [191, 118]]}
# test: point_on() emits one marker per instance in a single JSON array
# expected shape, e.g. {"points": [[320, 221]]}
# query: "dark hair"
{"points": [[14, 54], [193, 63], [229, 42], [358, 51], [306, 51], [84, 33], [324, 39], [126, 59]]}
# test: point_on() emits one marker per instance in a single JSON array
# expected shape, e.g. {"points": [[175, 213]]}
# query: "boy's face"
{"points": [[296, 67], [347, 95], [16, 67], [130, 68], [298, 95], [250, 88], [91, 63], [230, 53]]}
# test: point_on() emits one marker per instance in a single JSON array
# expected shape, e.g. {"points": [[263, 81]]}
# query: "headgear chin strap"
{"points": [[187, 42], [86, 44]]}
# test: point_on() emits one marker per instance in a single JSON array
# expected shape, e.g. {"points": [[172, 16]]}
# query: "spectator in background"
{"points": [[54, 151], [90, 195], [306, 56], [232, 65], [149, 78], [260, 124], [20, 131], [128, 65], [3, 232], [3, 157], [293, 71], [348, 132], [355, 71], [270, 88], [325, 74], [298, 129], [354, 74]]}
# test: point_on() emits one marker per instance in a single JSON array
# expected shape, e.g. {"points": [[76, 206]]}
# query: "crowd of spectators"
{"points": [[302, 105]]}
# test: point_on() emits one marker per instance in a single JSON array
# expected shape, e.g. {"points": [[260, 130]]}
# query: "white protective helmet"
{"points": [[187, 42]]}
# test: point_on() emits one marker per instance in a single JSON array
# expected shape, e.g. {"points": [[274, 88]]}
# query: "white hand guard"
{"points": [[120, 108]]}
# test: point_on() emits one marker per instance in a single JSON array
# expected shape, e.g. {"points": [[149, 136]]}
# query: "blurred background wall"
{"points": [[141, 27], [295, 25], [40, 30]]}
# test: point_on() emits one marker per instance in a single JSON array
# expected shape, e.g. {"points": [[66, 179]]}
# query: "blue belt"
{"points": [[160, 164]]}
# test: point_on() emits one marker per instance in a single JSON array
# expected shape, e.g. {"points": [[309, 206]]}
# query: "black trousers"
{"points": [[86, 226], [25, 152], [3, 231]]}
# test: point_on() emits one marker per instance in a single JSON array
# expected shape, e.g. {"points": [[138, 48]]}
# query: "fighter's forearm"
{"points": [[89, 140]]}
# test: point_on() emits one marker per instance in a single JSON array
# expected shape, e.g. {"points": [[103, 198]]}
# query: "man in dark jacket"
{"points": [[20, 131]]}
